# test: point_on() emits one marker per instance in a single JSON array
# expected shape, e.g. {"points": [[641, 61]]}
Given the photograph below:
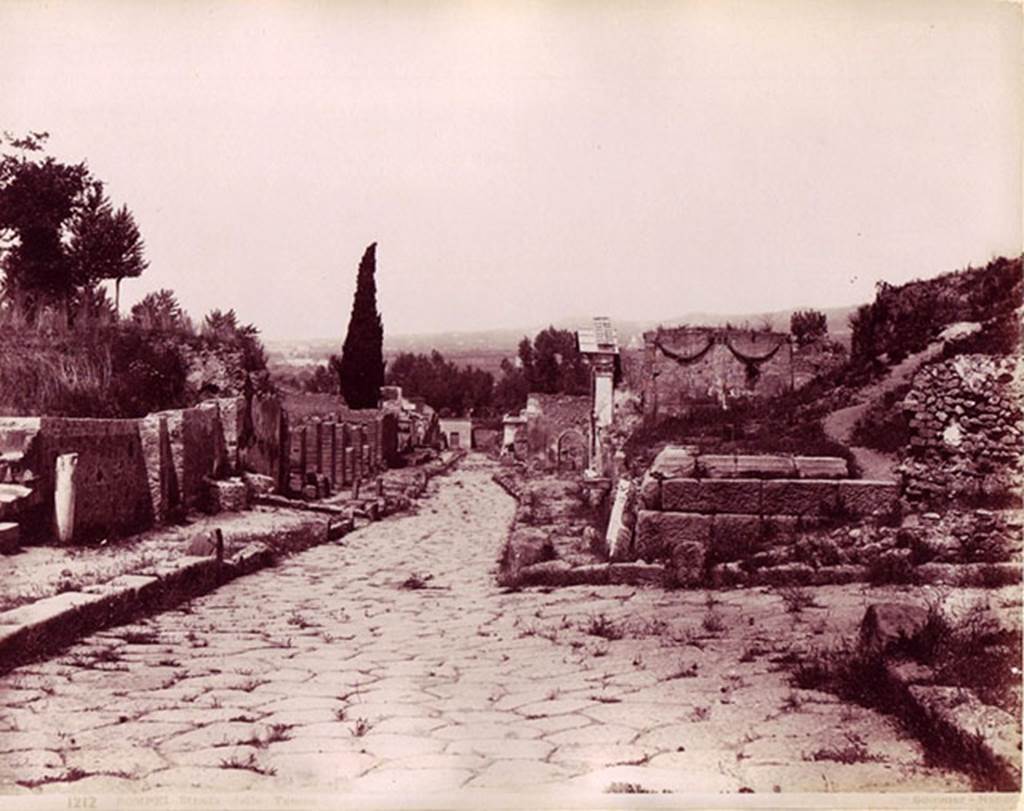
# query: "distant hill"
{"points": [[486, 348]]}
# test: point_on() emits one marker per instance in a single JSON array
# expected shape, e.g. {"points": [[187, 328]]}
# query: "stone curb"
{"points": [[560, 573], [981, 735], [31, 632]]}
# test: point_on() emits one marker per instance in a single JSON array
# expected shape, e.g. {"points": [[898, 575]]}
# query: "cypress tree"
{"points": [[361, 370]]}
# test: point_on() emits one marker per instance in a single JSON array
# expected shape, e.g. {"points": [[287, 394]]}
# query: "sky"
{"points": [[519, 163]]}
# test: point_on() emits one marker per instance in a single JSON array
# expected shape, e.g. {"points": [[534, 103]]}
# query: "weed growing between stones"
{"points": [[415, 582], [700, 714], [712, 623], [683, 672], [274, 734], [627, 788], [361, 727], [297, 620], [600, 625], [250, 764], [67, 776], [144, 637], [973, 652], [752, 652], [796, 598], [854, 750]]}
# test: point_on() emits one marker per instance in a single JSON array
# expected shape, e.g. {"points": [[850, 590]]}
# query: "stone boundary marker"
{"points": [[38, 629]]}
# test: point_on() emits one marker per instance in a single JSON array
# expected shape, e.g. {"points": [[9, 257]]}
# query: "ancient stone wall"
{"points": [[967, 435], [558, 427], [687, 366], [750, 520], [329, 454], [134, 473], [111, 481]]}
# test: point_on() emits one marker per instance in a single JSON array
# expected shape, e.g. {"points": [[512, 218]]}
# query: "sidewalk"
{"points": [[50, 595]]}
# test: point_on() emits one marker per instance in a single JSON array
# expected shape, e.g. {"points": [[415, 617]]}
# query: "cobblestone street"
{"points": [[391, 662]]}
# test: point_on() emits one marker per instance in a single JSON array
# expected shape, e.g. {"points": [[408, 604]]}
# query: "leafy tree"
{"points": [[551, 363], [322, 381], [160, 312], [223, 327], [448, 388], [808, 326], [104, 243], [361, 368], [511, 390], [58, 232]]}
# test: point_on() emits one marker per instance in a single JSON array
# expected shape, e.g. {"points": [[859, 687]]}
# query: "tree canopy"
{"points": [[808, 326], [450, 389], [551, 363], [361, 367], [59, 233]]}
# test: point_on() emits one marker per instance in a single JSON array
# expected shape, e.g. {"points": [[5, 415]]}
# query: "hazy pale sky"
{"points": [[522, 162]]}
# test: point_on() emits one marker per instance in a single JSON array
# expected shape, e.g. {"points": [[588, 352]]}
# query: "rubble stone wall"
{"points": [[967, 435]]}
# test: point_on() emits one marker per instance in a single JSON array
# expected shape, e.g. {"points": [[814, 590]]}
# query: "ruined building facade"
{"points": [[685, 367]]}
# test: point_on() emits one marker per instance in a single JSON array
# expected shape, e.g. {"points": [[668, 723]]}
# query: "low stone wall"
{"points": [[112, 492], [720, 519], [967, 435], [132, 473]]}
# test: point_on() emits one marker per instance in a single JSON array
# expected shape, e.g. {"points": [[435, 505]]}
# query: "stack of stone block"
{"points": [[700, 511]]}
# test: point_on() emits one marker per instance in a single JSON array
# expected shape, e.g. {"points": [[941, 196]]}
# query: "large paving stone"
{"points": [[674, 461], [821, 467], [799, 497], [712, 495], [886, 625], [658, 532], [735, 536], [519, 774]]}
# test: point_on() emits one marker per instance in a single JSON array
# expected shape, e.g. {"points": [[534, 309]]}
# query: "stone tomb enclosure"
{"points": [[700, 511]]}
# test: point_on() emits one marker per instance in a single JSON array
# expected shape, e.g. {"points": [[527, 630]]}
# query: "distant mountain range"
{"points": [[497, 343]]}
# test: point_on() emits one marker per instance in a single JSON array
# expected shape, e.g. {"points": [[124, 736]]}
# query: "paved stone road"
{"points": [[326, 673]]}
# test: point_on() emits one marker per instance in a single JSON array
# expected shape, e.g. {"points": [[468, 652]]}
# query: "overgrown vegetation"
{"points": [[449, 389], [972, 651], [789, 424], [884, 426], [551, 363], [904, 319], [64, 348]]}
